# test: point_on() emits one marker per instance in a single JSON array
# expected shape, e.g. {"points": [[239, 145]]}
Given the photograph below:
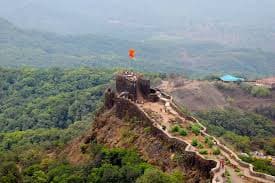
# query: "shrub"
{"points": [[200, 146], [185, 110], [237, 170], [267, 111], [147, 129], [194, 142], [203, 151], [247, 159], [210, 143], [196, 129], [225, 86], [240, 174], [212, 77], [182, 132], [216, 151], [83, 148], [230, 100], [226, 173], [259, 91], [246, 87], [175, 128], [134, 120], [206, 139]]}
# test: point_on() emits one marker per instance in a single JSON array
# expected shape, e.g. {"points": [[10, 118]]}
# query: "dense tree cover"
{"points": [[37, 105], [105, 165], [40, 138], [9, 173], [268, 111], [42, 110], [262, 165], [241, 123], [246, 131], [48, 98]]}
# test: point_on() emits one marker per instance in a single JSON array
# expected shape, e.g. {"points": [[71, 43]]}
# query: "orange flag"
{"points": [[132, 53]]}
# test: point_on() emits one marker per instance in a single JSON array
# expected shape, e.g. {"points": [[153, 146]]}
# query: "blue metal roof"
{"points": [[230, 78]]}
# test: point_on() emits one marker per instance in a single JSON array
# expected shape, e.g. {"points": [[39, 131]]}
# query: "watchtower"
{"points": [[133, 85]]}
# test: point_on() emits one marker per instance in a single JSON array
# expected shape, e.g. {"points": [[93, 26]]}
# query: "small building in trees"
{"points": [[230, 78]]}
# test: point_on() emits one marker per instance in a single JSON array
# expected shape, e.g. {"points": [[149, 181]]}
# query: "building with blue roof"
{"points": [[230, 78]]}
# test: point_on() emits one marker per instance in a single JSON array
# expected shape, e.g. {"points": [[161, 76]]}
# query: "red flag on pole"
{"points": [[132, 53]]}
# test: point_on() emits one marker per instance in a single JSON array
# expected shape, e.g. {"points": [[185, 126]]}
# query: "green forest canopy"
{"points": [[48, 98], [246, 131], [41, 111]]}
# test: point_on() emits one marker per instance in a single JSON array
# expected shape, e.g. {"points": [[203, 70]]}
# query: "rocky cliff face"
{"points": [[126, 126]]}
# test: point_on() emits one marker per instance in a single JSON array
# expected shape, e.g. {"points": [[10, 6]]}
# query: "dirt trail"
{"points": [[166, 114], [165, 120]]}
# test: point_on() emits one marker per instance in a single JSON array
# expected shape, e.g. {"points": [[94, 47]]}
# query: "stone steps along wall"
{"points": [[224, 148], [214, 170], [135, 111]]}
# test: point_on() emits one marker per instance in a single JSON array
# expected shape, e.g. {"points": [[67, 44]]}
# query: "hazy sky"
{"points": [[85, 16]]}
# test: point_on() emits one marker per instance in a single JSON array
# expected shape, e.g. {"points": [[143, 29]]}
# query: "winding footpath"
{"points": [[218, 172]]}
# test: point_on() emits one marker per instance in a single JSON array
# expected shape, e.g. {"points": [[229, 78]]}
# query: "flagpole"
{"points": [[131, 57]]}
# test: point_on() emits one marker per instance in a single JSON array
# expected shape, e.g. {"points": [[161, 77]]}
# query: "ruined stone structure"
{"points": [[133, 86]]}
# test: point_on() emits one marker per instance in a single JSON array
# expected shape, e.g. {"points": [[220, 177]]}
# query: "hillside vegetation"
{"points": [[35, 98], [42, 110], [46, 108], [106, 165], [247, 130], [240, 115]]}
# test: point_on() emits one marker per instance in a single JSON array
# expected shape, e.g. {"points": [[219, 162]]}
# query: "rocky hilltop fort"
{"points": [[138, 116], [132, 86]]}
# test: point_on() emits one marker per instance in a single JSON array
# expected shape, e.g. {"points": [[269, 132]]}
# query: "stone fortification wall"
{"points": [[188, 158], [135, 85], [125, 85], [143, 86]]}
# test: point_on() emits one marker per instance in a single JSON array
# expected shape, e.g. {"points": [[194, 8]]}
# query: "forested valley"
{"points": [[42, 110], [244, 132]]}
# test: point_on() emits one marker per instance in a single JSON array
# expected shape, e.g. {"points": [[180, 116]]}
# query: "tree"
{"points": [[106, 173], [259, 91], [156, 176], [9, 173], [39, 177]]}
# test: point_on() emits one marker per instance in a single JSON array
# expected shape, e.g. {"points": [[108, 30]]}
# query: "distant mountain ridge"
{"points": [[80, 16], [40, 49]]}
